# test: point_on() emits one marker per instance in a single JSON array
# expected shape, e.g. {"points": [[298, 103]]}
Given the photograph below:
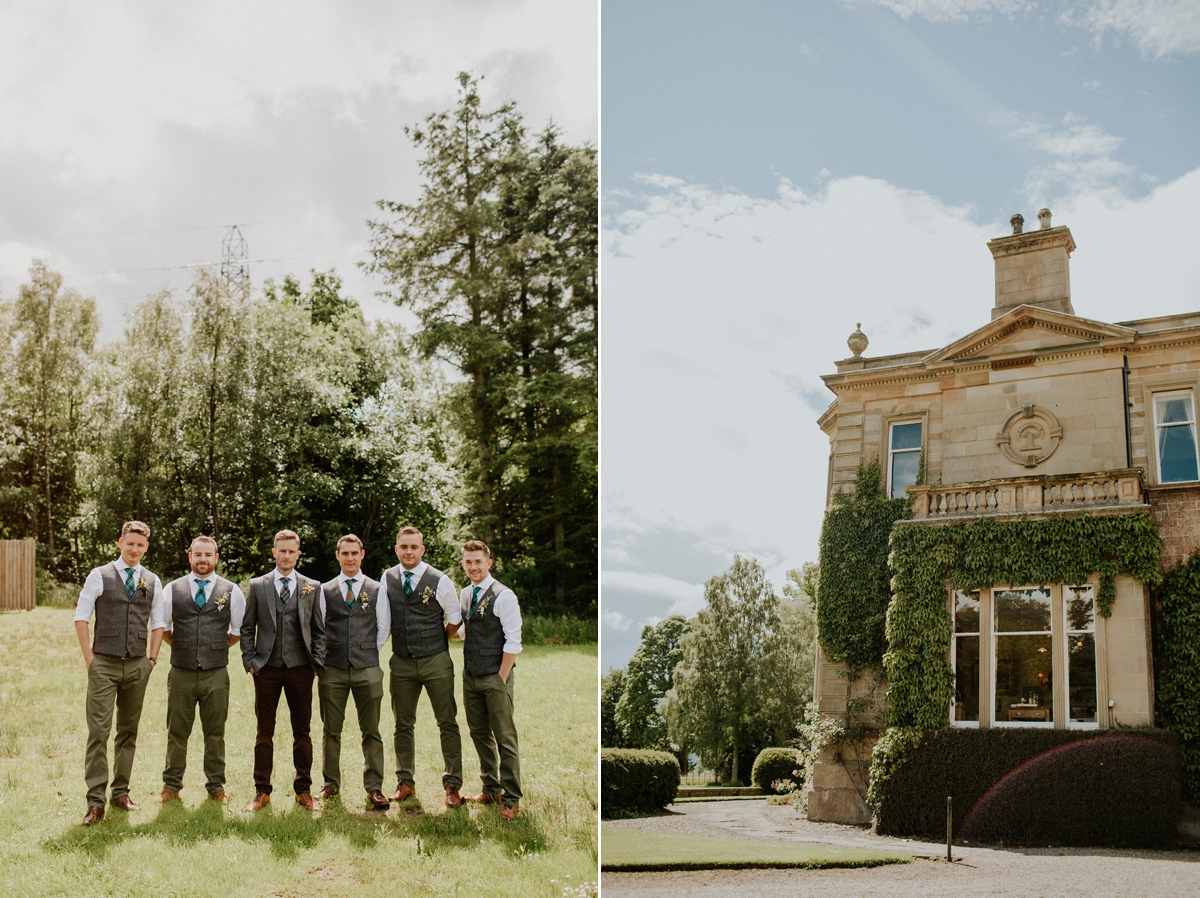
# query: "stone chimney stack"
{"points": [[1033, 269]]}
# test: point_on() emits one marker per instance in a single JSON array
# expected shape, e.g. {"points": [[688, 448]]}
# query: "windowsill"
{"points": [[1022, 724], [1172, 484], [965, 724]]}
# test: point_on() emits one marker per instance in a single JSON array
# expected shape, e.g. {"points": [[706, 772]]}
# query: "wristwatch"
{"points": [[154, 661]]}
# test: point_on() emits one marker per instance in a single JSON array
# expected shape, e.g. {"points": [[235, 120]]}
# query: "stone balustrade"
{"points": [[1028, 495]]}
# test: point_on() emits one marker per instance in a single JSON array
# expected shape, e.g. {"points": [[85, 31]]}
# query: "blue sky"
{"points": [[774, 173]]}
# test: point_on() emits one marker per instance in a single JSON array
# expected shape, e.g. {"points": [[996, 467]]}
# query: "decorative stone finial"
{"points": [[1044, 219], [857, 341], [1017, 222]]}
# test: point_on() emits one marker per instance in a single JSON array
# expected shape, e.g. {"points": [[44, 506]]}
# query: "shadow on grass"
{"points": [[287, 832]]}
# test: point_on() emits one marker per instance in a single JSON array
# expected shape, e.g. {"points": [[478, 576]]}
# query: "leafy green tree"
{"points": [[498, 261], [53, 334], [648, 678], [612, 687], [725, 678]]}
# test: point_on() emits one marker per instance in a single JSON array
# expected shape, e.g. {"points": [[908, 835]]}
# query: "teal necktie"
{"points": [[129, 587], [350, 593], [200, 598], [474, 600], [408, 583], [285, 591]]}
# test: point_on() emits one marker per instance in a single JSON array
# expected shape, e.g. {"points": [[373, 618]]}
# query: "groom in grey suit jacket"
{"points": [[283, 648]]}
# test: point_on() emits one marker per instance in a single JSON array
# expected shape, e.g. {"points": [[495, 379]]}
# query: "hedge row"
{"points": [[1031, 786], [636, 780], [773, 764]]}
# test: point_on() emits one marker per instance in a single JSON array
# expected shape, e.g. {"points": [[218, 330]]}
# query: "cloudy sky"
{"points": [[132, 134], [775, 172]]}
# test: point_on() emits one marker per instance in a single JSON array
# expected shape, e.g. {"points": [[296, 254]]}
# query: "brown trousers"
{"points": [[296, 683]]}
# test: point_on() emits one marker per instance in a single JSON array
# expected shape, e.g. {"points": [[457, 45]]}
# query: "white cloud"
{"points": [[1156, 27], [1084, 162], [615, 620], [685, 598]]}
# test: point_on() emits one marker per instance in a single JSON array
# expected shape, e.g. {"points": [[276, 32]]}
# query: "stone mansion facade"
{"points": [[1039, 412]]}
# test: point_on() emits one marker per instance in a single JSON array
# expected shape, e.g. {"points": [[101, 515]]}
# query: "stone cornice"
{"points": [[1031, 241]]}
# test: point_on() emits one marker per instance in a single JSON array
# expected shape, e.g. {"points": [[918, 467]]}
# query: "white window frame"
{"points": [[1066, 657], [954, 638], [994, 635], [892, 425], [1166, 394]]}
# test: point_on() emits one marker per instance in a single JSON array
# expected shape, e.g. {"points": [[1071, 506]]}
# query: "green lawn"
{"points": [[631, 850], [198, 849]]}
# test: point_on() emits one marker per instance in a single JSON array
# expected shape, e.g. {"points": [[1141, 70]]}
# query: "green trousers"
{"points": [[120, 685], [488, 702], [334, 688], [435, 675], [185, 690]]}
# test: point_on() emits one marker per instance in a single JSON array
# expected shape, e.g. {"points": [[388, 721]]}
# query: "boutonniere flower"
{"points": [[306, 589], [483, 603], [221, 600], [143, 585], [364, 600], [426, 595]]}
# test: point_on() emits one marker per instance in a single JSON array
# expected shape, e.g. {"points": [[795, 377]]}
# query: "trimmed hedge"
{"points": [[775, 764], [1118, 788], [636, 780]]}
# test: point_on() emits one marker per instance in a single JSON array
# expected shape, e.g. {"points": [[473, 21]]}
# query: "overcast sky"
{"points": [[133, 134], [775, 172]]}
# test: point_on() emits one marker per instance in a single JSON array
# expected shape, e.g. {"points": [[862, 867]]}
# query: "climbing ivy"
{"points": [[854, 589], [1179, 676], [976, 555]]}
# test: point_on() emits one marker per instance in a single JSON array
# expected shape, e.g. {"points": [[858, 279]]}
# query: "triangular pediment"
{"points": [[1029, 329]]}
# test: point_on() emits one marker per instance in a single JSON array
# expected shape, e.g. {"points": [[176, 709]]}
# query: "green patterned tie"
{"points": [[285, 591], [474, 600], [129, 587], [408, 583], [201, 600], [350, 593]]}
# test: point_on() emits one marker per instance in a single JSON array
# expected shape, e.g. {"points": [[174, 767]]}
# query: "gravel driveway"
{"points": [[1043, 872]]}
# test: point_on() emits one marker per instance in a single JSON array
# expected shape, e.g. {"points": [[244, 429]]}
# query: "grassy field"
{"points": [[197, 848], [635, 850]]}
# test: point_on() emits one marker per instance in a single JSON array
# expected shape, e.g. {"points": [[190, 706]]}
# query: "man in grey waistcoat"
{"points": [[423, 613], [203, 620], [492, 634], [356, 627], [283, 648], [127, 600]]}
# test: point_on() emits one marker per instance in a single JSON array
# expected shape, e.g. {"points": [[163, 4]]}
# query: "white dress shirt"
{"points": [[383, 613], [237, 602], [290, 578], [94, 585], [504, 606], [446, 596]]}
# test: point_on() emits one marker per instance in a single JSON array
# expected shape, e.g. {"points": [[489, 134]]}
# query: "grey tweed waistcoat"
{"points": [[483, 649], [418, 627], [351, 632], [199, 637], [122, 620]]}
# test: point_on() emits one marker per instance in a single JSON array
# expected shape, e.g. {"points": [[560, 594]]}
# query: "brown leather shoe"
{"points": [[508, 812], [95, 813], [453, 799], [403, 791], [125, 803], [166, 795], [305, 800], [218, 796], [379, 801], [326, 792], [485, 798], [261, 800]]}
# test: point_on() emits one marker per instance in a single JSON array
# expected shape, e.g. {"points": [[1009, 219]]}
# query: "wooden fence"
{"points": [[16, 574]]}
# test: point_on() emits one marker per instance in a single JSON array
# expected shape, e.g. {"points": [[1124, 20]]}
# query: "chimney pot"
{"points": [[1044, 219], [1017, 221]]}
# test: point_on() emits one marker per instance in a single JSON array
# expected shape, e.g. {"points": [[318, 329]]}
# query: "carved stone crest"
{"points": [[1029, 436]]}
